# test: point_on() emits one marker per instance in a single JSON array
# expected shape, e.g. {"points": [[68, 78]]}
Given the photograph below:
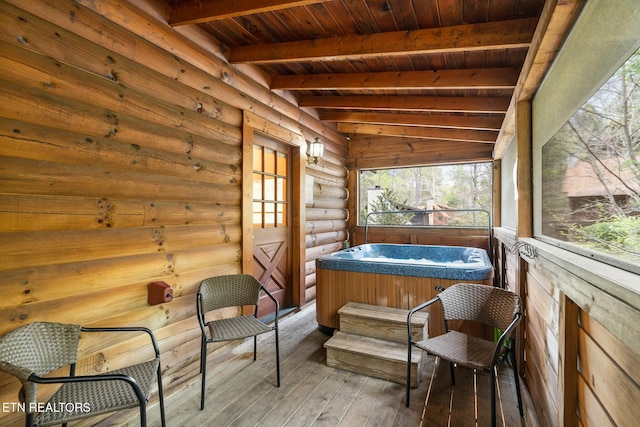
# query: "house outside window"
{"points": [[591, 171], [586, 139]]}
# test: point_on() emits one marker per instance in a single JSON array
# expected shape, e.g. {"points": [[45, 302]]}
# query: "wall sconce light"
{"points": [[316, 151]]}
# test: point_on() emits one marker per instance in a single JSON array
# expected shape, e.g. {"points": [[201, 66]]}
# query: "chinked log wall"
{"points": [[121, 165]]}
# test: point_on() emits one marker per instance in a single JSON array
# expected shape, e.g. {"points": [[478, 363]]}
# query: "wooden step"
{"points": [[381, 322], [373, 357]]}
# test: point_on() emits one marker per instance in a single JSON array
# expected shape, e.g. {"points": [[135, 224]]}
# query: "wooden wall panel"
{"points": [[609, 377], [578, 372], [430, 235], [121, 158]]}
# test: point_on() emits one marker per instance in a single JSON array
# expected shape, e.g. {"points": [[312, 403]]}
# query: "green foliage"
{"points": [[457, 186], [389, 201], [599, 146], [619, 235]]}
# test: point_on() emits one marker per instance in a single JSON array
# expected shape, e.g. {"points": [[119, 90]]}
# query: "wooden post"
{"points": [[299, 225], [247, 197], [524, 205], [568, 362], [497, 190], [352, 186], [524, 173]]}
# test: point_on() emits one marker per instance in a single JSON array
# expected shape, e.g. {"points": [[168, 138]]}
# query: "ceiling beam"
{"points": [[197, 11], [483, 104], [478, 78], [367, 151], [423, 120], [420, 132], [511, 34]]}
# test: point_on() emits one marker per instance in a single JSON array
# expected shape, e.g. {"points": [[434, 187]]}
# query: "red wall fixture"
{"points": [[160, 292]]}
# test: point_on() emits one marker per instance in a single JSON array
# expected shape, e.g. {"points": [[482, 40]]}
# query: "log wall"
{"points": [[121, 164]]}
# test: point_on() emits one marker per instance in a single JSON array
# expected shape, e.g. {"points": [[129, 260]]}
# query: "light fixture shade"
{"points": [[316, 149]]}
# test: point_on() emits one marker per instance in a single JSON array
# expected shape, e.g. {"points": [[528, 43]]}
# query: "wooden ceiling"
{"points": [[429, 70]]}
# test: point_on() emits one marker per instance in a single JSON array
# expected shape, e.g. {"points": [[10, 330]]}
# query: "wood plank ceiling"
{"points": [[431, 70]]}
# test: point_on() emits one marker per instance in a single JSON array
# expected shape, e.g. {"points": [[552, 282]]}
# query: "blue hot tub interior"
{"points": [[444, 262]]}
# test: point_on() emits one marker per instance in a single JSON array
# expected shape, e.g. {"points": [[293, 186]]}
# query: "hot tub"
{"points": [[394, 275], [443, 262]]}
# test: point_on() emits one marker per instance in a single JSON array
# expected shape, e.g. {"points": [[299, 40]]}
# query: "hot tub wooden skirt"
{"points": [[335, 288]]}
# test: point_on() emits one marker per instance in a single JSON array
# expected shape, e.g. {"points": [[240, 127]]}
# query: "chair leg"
{"points": [[406, 400], [453, 373], [29, 419], [203, 370], [277, 359], [161, 398], [493, 396], [143, 415], [255, 346], [512, 354]]}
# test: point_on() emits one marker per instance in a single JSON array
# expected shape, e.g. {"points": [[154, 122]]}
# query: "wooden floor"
{"points": [[241, 392]]}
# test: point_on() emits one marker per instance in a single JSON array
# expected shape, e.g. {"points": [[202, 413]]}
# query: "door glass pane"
{"points": [[281, 192], [269, 188], [257, 214], [257, 186], [282, 164], [269, 215], [269, 161], [282, 215], [257, 158]]}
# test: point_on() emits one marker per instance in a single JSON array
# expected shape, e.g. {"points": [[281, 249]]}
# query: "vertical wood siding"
{"points": [[119, 166], [577, 371]]}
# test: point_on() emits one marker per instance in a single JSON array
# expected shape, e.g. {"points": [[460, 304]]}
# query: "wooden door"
{"points": [[272, 231]]}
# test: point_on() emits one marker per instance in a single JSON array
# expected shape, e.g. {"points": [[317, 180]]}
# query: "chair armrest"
{"points": [[415, 310], [126, 329], [275, 301], [503, 337], [92, 378]]}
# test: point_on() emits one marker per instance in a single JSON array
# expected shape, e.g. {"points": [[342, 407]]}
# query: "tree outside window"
{"points": [[464, 186], [591, 172]]}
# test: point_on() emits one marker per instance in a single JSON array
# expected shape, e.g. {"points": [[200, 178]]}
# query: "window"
{"points": [[270, 187], [586, 138], [439, 188], [591, 178]]}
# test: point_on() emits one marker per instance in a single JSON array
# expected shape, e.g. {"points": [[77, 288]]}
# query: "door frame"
{"points": [[250, 125]]}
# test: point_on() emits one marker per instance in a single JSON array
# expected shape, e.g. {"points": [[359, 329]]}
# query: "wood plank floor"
{"points": [[241, 392]]}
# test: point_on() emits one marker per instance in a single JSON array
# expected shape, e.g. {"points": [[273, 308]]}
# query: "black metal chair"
{"points": [[495, 307], [233, 290], [37, 349]]}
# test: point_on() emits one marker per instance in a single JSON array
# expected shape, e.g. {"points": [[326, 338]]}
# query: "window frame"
{"points": [[361, 223], [605, 35]]}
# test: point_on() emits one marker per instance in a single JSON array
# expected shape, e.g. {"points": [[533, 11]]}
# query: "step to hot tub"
{"points": [[372, 341], [386, 323], [373, 357]]}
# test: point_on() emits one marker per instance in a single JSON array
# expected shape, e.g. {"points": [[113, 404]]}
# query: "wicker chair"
{"points": [[232, 291], [491, 306], [39, 348]]}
